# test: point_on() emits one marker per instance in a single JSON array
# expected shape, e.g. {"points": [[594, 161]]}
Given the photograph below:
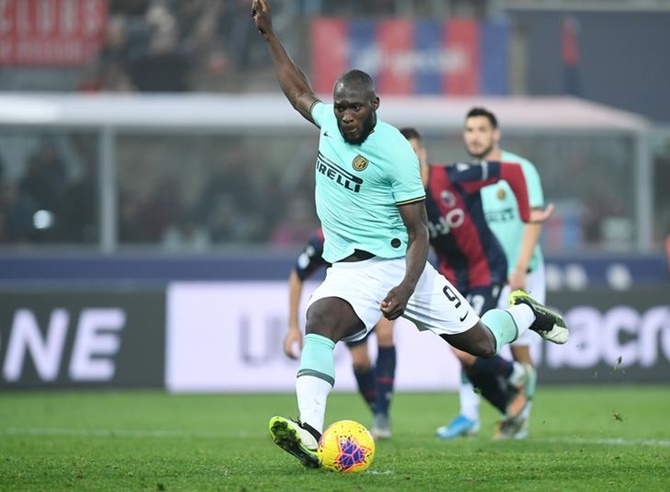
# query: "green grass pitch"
{"points": [[582, 438]]}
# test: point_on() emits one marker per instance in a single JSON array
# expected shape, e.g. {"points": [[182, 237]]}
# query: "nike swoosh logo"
{"points": [[325, 134], [464, 316]]}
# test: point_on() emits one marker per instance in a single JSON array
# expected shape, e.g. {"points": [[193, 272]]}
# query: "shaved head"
{"points": [[355, 81]]}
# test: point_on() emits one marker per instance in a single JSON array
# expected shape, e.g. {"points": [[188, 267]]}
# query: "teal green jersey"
{"points": [[359, 188], [502, 212]]}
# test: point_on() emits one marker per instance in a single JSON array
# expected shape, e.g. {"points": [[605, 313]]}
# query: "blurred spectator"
{"points": [[18, 215], [44, 178], [77, 215], [186, 235], [298, 224], [108, 72], [240, 31], [230, 204], [129, 7], [598, 207], [156, 60], [161, 209], [130, 228]]}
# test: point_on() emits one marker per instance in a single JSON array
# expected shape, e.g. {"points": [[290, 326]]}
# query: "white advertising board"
{"points": [[227, 337]]}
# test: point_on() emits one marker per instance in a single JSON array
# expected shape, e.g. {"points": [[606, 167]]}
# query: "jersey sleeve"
{"points": [[534, 184], [310, 258], [473, 177], [320, 112], [405, 180], [514, 175]]}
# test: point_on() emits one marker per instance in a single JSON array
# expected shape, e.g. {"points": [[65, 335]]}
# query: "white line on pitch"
{"points": [[609, 441], [32, 431], [15, 431]]}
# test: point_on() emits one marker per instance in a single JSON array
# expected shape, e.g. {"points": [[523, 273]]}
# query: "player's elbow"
{"points": [[418, 233]]}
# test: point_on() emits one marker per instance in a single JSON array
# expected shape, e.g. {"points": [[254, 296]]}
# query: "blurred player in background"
{"points": [[375, 383], [472, 259], [520, 241], [370, 201]]}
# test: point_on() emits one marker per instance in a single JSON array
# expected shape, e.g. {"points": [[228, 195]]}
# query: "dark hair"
{"points": [[410, 132], [479, 111], [359, 79]]}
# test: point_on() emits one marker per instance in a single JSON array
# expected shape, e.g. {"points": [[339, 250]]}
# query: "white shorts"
{"points": [[536, 286], [436, 305]]}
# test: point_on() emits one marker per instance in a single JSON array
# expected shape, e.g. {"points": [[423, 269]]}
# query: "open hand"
{"points": [[541, 215], [293, 343], [260, 11]]}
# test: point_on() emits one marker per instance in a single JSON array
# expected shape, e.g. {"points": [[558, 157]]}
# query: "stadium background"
{"points": [[155, 186]]}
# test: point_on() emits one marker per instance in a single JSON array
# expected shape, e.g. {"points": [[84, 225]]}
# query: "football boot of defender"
{"points": [[518, 393], [295, 439], [381, 427], [515, 423], [548, 324], [460, 426]]}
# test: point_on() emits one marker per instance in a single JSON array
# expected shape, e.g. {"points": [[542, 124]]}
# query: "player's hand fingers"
{"points": [[259, 7], [391, 308], [290, 343], [542, 215], [288, 349]]}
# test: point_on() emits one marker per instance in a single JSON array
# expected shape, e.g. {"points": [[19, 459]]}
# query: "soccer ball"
{"points": [[346, 447]]}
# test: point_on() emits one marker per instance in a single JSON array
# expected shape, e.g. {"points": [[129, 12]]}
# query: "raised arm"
{"points": [[291, 79], [414, 217]]}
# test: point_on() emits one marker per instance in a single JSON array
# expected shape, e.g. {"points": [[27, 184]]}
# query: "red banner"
{"points": [[51, 32]]}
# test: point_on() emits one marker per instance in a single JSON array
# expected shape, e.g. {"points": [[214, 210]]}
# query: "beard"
{"points": [[367, 127], [480, 155]]}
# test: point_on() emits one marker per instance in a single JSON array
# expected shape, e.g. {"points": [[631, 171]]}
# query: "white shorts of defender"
{"points": [[436, 305]]}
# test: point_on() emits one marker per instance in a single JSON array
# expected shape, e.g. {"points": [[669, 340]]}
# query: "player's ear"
{"points": [[375, 103], [497, 134]]}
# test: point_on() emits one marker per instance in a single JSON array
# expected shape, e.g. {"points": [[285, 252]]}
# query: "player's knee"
{"points": [[486, 350], [360, 359]]}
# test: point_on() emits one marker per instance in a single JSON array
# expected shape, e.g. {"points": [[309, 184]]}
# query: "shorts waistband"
{"points": [[357, 255]]}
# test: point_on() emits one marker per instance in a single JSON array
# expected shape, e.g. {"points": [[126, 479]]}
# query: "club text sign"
{"points": [[65, 338]]}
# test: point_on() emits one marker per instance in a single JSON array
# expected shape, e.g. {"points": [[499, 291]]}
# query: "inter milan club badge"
{"points": [[501, 194], [359, 163]]}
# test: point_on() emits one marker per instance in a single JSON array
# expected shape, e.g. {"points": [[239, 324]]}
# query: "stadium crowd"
{"points": [[210, 46]]}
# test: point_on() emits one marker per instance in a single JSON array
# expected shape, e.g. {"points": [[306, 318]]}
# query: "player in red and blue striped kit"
{"points": [[471, 257]]}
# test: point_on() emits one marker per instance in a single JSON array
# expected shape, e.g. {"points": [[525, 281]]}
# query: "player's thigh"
{"points": [[436, 305], [333, 318], [352, 291]]}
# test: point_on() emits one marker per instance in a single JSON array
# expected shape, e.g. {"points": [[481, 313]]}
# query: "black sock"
{"points": [[489, 387], [385, 378], [495, 365], [367, 387]]}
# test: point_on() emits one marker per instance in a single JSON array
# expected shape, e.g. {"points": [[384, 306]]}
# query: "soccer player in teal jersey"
{"points": [[370, 200], [375, 381], [520, 242]]}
